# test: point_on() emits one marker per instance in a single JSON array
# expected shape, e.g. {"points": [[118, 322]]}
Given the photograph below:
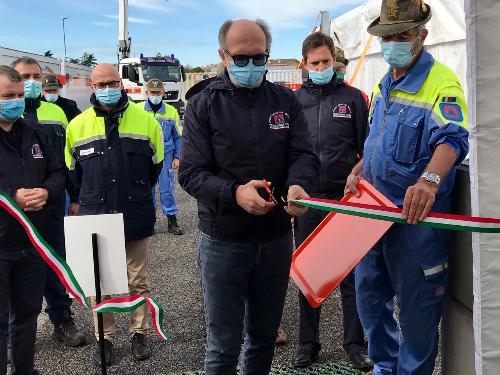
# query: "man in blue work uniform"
{"points": [[168, 118], [54, 122], [32, 175], [239, 130], [417, 137], [337, 119]]}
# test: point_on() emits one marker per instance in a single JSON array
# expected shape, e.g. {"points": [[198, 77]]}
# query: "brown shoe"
{"points": [[281, 337]]}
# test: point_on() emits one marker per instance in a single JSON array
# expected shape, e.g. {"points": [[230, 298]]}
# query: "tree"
{"points": [[48, 53], [88, 59], [74, 61]]}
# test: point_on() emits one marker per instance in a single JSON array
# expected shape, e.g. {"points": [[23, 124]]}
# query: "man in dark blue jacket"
{"points": [[33, 177], [337, 118], [238, 131]]}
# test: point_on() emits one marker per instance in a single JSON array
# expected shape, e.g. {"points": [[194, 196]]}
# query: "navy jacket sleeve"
{"points": [[361, 121], [55, 178], [303, 164], [197, 164]]}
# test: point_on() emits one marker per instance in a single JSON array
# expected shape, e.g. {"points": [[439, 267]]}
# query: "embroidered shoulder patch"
{"points": [[451, 111], [342, 111]]}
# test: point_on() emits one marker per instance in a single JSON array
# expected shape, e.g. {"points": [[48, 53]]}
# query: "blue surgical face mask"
{"points": [[154, 99], [11, 109], [397, 54], [321, 78], [108, 96], [249, 76], [51, 98], [32, 89]]}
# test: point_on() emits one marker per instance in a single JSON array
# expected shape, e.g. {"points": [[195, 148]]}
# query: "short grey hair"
{"points": [[227, 25], [11, 74], [25, 60]]}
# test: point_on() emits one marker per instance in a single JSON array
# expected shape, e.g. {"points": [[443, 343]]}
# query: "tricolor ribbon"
{"points": [[65, 274], [433, 220]]}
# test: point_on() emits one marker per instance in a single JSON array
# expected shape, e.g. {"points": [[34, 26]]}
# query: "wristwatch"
{"points": [[431, 177]]}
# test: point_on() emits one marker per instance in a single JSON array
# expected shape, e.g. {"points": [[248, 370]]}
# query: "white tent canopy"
{"points": [[446, 40]]}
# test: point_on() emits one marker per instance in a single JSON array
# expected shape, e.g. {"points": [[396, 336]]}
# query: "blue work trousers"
{"points": [[22, 274], [166, 181], [244, 288], [411, 263]]}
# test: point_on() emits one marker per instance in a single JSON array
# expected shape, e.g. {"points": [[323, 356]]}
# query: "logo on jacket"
{"points": [[451, 110], [279, 120], [36, 151], [342, 111]]}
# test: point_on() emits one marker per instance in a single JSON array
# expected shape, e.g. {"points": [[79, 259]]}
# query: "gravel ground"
{"points": [[175, 282]]}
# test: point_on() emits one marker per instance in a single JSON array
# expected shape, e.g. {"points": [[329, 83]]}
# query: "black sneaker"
{"points": [[140, 349], [108, 353], [305, 358], [360, 361], [68, 333], [173, 227]]}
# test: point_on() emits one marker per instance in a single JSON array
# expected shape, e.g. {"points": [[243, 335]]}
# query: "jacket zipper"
{"points": [[378, 138], [319, 141]]}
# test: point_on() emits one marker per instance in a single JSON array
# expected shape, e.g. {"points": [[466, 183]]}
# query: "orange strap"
{"points": [[361, 59]]}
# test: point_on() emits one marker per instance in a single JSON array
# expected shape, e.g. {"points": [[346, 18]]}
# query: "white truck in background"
{"points": [[136, 72]]}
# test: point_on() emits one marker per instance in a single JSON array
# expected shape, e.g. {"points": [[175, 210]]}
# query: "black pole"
{"points": [[100, 328]]}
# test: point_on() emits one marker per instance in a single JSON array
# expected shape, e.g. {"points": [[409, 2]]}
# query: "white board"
{"points": [[112, 259]]}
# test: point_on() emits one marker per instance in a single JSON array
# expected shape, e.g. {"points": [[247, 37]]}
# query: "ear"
{"points": [[223, 58], [423, 34]]}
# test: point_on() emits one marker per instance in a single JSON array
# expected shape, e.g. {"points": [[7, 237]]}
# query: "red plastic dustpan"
{"points": [[336, 246]]}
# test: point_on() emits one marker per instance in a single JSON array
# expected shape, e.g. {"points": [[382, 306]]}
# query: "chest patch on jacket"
{"points": [[342, 111], [36, 151], [86, 152], [279, 120]]}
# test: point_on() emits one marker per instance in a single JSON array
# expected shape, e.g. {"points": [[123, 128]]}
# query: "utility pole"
{"points": [[64, 37]]}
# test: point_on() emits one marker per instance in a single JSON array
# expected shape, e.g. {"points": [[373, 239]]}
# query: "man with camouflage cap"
{"points": [[50, 93], [418, 136], [168, 117], [340, 63]]}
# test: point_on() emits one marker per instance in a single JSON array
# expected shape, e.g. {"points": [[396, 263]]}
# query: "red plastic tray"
{"points": [[336, 246]]}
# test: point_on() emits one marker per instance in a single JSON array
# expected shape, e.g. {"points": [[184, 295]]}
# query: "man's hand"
{"points": [[295, 192], [73, 209], [175, 164], [37, 198], [249, 199], [418, 202], [351, 185]]}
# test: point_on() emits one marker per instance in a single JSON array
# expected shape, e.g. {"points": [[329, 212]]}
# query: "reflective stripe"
{"points": [[438, 120], [434, 270], [411, 103], [50, 122]]}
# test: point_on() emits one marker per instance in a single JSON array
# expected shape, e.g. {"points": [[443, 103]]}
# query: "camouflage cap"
{"points": [[154, 84], [340, 57], [398, 16], [50, 81]]}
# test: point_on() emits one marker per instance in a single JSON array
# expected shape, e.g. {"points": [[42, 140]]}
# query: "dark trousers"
{"points": [[56, 296], [244, 288], [22, 276], [354, 339]]}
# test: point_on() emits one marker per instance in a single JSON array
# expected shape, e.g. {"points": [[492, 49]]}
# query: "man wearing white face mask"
{"points": [[51, 94], [168, 117], [418, 136], [337, 118], [241, 130]]}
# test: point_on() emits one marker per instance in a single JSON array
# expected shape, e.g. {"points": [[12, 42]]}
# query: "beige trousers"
{"points": [[137, 272]]}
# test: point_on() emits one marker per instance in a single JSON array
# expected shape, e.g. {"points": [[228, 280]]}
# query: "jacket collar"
{"points": [[414, 78], [147, 107]]}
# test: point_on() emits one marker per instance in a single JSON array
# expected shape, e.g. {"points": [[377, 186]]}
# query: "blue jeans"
{"points": [[22, 274], [244, 289]]}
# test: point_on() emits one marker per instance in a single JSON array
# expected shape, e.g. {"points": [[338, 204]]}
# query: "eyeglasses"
{"points": [[111, 84], [242, 60]]}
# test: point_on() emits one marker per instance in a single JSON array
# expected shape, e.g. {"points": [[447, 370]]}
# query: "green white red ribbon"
{"points": [[65, 274], [434, 220]]}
